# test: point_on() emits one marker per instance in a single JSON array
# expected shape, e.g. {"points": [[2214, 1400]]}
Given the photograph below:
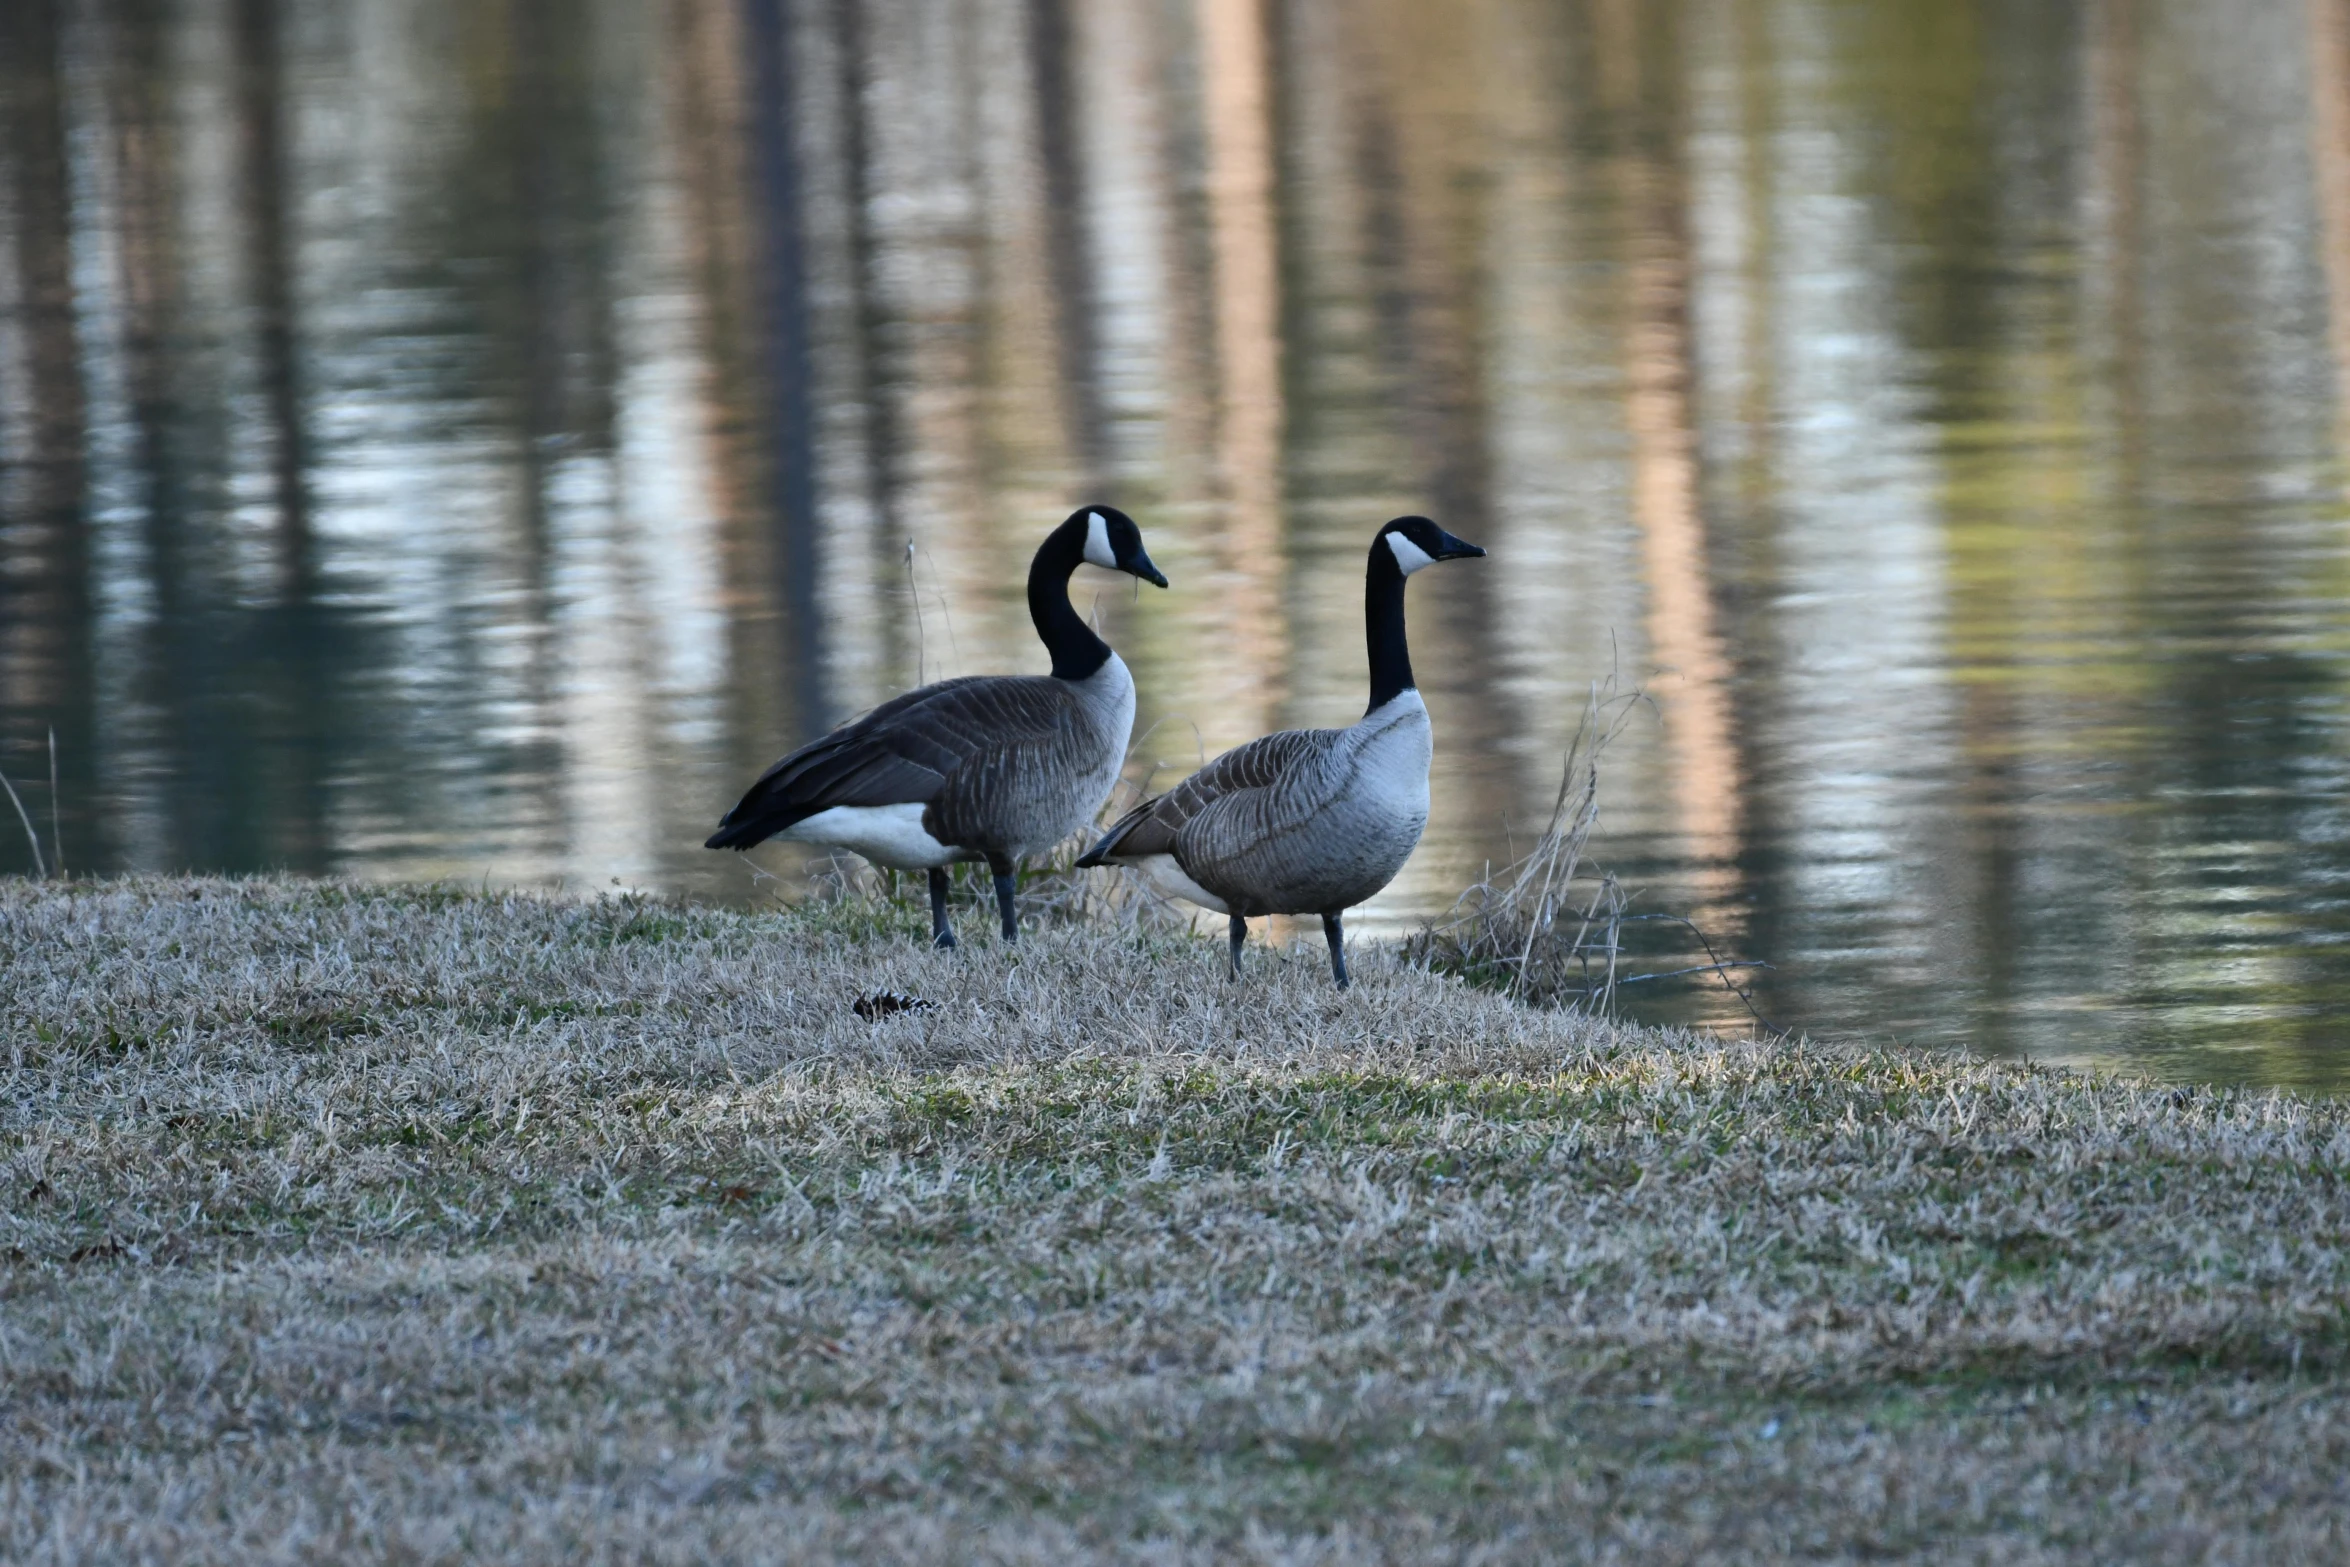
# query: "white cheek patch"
{"points": [[1097, 541], [1409, 557]]}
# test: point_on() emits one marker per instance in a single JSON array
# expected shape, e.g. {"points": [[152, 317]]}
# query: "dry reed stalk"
{"points": [[56, 810], [32, 835], [1548, 929], [1538, 930]]}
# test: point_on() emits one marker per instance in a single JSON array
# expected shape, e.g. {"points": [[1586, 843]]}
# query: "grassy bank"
{"points": [[344, 1225]]}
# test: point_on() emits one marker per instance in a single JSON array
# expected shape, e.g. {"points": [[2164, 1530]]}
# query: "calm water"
{"points": [[469, 439]]}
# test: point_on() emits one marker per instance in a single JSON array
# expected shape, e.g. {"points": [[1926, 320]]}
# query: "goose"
{"points": [[1306, 821], [986, 767]]}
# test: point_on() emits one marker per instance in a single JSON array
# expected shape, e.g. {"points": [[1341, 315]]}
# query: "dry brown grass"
{"points": [[1546, 928], [1549, 927], [356, 1225]]}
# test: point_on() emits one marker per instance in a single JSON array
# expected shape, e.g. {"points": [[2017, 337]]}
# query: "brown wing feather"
{"points": [[1154, 826], [945, 745], [1016, 737]]}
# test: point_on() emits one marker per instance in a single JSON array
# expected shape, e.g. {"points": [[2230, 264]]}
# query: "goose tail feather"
{"points": [[1120, 830], [736, 835]]}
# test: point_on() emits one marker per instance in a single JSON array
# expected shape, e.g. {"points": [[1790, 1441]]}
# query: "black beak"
{"points": [[1141, 566], [1456, 549]]}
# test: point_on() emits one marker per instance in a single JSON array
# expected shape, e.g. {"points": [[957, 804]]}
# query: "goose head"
{"points": [[1417, 542], [1112, 540]]}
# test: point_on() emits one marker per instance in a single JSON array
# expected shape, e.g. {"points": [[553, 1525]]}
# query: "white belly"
{"points": [[888, 835], [1166, 878]]}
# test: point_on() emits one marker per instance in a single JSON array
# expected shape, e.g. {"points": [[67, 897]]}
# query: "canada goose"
{"points": [[987, 767], [1307, 821]]}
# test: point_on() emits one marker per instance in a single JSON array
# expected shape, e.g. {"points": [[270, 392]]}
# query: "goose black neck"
{"points": [[1076, 651], [1391, 656]]}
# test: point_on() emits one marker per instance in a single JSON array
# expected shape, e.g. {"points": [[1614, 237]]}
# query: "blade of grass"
{"points": [[56, 814]]}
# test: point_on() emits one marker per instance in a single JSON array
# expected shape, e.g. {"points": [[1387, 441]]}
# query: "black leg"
{"points": [[1239, 935], [941, 933], [1335, 933], [1006, 897]]}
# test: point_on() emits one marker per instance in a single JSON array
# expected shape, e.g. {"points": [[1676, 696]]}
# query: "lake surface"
{"points": [[470, 440]]}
